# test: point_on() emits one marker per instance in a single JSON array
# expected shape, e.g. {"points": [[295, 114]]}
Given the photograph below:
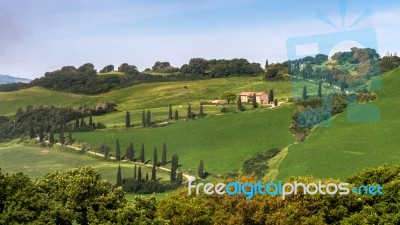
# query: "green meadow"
{"points": [[349, 147], [221, 141], [36, 161]]}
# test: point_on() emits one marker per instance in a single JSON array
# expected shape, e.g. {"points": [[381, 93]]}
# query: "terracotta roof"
{"points": [[251, 93]]}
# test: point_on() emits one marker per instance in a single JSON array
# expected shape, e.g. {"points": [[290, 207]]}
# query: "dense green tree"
{"points": [[201, 114], [127, 119], [153, 173], [304, 92], [320, 90], [31, 131], [164, 155], [123, 67], [51, 138], [119, 177], [200, 171], [174, 167], [254, 101], [148, 119], [61, 137], [271, 96], [90, 121], [170, 117], [107, 69], [266, 64], [155, 159], [41, 133], [143, 119], [118, 151], [142, 156], [276, 102], [240, 105], [139, 175], [147, 177], [130, 152], [176, 116], [189, 113], [134, 173], [229, 96], [83, 123]]}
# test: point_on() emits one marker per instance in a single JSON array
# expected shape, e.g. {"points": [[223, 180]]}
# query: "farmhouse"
{"points": [[261, 97]]}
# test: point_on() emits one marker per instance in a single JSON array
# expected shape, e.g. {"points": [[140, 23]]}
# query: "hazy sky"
{"points": [[44, 35]]}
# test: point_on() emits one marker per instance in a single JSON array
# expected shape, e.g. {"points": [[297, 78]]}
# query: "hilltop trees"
{"points": [[107, 69]]}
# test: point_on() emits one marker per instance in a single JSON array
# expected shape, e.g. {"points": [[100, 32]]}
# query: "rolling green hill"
{"points": [[37, 161], [348, 147]]}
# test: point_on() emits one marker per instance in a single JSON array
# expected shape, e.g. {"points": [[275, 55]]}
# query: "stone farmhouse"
{"points": [[261, 97]]}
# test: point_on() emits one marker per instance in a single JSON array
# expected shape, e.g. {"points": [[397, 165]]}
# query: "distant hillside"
{"points": [[6, 79]]}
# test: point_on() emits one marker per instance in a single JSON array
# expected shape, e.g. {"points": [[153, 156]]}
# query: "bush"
{"points": [[257, 163]]}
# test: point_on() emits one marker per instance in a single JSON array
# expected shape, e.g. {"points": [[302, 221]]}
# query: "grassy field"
{"points": [[37, 161], [222, 142], [348, 147]]}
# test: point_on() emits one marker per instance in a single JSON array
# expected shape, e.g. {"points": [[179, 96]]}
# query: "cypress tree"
{"points": [[143, 119], [174, 167], [118, 151], [271, 96], [64, 121], [201, 110], [176, 117], [276, 102], [76, 122], [119, 177], [129, 152], [164, 155], [189, 113], [170, 112], [69, 135], [142, 156], [148, 119], [139, 175], [90, 121], [62, 140], [128, 119], [83, 123], [320, 90], [155, 158], [31, 130], [200, 170], [240, 105], [254, 101], [134, 173], [147, 176], [153, 173], [304, 92], [179, 179], [51, 138], [41, 133]]}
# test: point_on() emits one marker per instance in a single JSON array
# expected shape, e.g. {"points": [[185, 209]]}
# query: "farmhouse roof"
{"points": [[251, 93]]}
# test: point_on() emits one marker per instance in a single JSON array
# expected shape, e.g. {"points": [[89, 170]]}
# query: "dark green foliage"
{"points": [[130, 152], [90, 121], [276, 102], [176, 116], [189, 113], [106, 151], [118, 151], [179, 179], [153, 173], [41, 133], [61, 137], [31, 131], [254, 102], [304, 92], [155, 159], [271, 96], [201, 114], [257, 164], [170, 112], [148, 119], [128, 119], [142, 156], [119, 177], [200, 171], [366, 97], [319, 90], [174, 167], [107, 69], [134, 173], [240, 105], [229, 96], [70, 140], [164, 155], [143, 119], [51, 138], [164, 67], [139, 175], [389, 62]]}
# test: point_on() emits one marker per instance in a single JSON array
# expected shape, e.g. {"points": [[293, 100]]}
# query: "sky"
{"points": [[44, 35]]}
